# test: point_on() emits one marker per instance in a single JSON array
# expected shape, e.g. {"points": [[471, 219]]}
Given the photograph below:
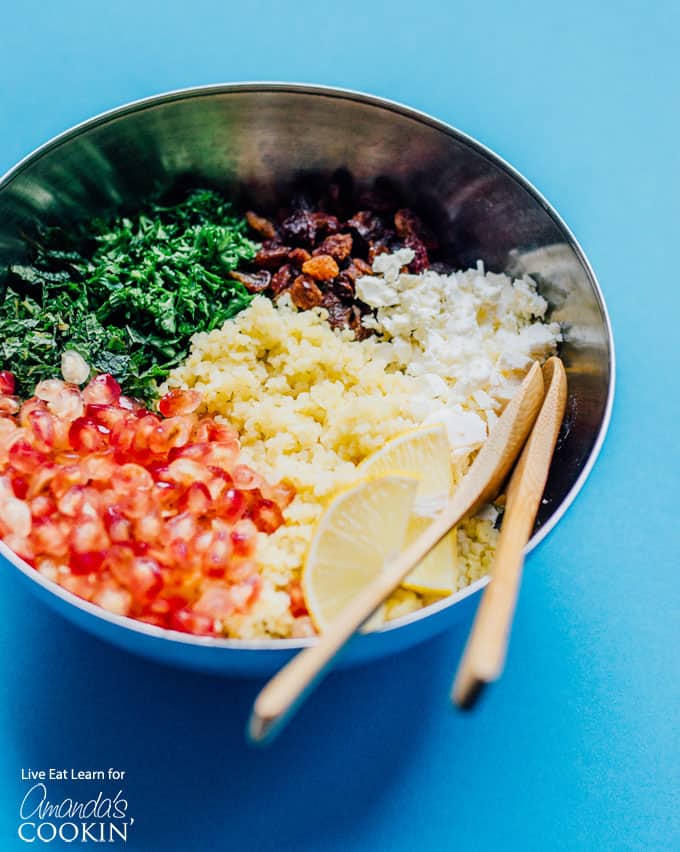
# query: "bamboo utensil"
{"points": [[286, 690], [485, 652]]}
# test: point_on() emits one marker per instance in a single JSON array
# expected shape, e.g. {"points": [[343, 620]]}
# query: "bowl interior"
{"points": [[258, 141]]}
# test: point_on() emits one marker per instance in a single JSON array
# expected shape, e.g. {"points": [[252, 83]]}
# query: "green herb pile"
{"points": [[127, 294]]}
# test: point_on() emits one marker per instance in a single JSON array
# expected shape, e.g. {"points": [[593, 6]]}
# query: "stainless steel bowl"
{"points": [[256, 141]]}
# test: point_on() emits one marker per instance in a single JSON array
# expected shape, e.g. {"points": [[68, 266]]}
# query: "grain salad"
{"points": [[310, 402]]}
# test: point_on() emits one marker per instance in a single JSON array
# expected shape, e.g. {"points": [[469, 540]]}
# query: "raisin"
{"points": [[408, 224], [343, 285], [338, 246], [421, 261], [367, 225], [254, 282], [326, 223], [261, 225], [354, 322], [357, 268], [299, 256], [305, 293], [338, 312], [299, 228], [322, 267], [271, 258], [281, 279], [376, 248]]}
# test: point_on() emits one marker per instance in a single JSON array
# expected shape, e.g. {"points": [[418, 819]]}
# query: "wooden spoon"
{"points": [[286, 690], [486, 648]]}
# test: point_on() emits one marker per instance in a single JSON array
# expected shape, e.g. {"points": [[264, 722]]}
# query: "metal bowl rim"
{"points": [[407, 112]]}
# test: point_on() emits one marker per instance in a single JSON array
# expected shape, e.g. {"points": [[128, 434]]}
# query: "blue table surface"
{"points": [[578, 747]]}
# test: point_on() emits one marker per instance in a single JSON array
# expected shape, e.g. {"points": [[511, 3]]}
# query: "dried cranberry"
{"points": [[254, 282]]}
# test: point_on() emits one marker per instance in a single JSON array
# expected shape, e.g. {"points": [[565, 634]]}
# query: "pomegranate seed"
{"points": [[66, 477], [245, 478], [41, 431], [48, 568], [193, 622], [74, 368], [282, 493], [51, 537], [86, 562], [245, 594], [169, 434], [243, 538], [179, 402], [149, 527], [114, 599], [302, 628], [142, 576], [102, 390], [298, 606], [117, 525], [89, 534], [216, 557], [196, 500], [215, 602], [9, 405], [42, 507], [68, 404], [266, 516], [231, 505], [50, 389], [16, 516], [24, 457], [41, 479], [131, 477], [7, 383], [187, 471], [87, 436], [106, 415], [21, 545], [130, 404], [19, 486], [183, 526]]}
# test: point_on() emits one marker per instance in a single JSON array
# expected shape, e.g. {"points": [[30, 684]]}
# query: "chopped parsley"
{"points": [[127, 294]]}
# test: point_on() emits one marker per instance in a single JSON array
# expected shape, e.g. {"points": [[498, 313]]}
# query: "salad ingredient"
{"points": [[470, 335], [425, 454], [360, 530], [316, 250], [125, 294], [152, 517]]}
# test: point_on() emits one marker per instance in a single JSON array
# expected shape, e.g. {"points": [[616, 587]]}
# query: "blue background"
{"points": [[578, 746]]}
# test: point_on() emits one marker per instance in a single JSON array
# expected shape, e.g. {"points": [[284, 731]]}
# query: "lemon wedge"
{"points": [[360, 530], [424, 453]]}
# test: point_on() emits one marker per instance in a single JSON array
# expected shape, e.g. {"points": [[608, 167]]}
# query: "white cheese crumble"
{"points": [[470, 336]]}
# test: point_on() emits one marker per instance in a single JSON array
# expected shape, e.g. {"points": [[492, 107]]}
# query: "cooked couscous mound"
{"points": [[310, 403]]}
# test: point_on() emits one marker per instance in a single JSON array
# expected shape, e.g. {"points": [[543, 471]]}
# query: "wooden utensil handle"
{"points": [[487, 646]]}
